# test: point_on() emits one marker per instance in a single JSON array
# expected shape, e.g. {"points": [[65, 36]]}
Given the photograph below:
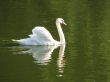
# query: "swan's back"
{"points": [[39, 36], [42, 34]]}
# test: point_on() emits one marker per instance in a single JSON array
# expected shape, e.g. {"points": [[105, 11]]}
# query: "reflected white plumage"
{"points": [[41, 36]]}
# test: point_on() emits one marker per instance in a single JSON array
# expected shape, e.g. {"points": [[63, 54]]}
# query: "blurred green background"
{"points": [[87, 52]]}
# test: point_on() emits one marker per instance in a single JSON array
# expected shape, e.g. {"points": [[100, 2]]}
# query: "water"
{"points": [[84, 58]]}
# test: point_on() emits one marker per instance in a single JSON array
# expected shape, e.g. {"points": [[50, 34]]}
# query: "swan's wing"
{"points": [[42, 34]]}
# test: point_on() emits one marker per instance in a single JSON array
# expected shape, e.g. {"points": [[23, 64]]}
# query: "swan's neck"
{"points": [[60, 32]]}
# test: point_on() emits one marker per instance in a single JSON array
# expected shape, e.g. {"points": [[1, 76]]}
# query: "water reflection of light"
{"points": [[41, 54]]}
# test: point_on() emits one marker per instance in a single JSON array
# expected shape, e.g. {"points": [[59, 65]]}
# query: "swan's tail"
{"points": [[17, 41], [22, 41]]}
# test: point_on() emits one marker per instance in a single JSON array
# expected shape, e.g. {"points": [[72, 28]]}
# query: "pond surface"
{"points": [[84, 58]]}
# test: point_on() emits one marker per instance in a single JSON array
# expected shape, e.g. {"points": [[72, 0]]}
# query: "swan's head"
{"points": [[61, 21]]}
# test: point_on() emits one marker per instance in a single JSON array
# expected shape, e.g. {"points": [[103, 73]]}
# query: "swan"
{"points": [[41, 36]]}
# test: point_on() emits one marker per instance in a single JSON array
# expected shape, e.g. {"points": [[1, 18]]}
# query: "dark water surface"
{"points": [[84, 58]]}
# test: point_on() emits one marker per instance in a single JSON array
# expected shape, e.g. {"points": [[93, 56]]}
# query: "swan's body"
{"points": [[41, 36]]}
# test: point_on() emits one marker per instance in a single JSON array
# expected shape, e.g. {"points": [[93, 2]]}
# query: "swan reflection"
{"points": [[61, 61], [40, 54]]}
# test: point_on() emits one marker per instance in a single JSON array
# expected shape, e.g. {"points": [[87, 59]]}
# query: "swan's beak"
{"points": [[64, 23]]}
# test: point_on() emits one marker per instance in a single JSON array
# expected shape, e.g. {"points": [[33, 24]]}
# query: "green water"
{"points": [[84, 58]]}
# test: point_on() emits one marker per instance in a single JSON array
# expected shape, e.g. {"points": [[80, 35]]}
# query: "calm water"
{"points": [[84, 58]]}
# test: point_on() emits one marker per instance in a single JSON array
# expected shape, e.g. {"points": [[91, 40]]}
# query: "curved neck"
{"points": [[60, 32]]}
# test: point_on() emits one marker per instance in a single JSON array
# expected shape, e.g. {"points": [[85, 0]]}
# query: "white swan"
{"points": [[41, 36]]}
